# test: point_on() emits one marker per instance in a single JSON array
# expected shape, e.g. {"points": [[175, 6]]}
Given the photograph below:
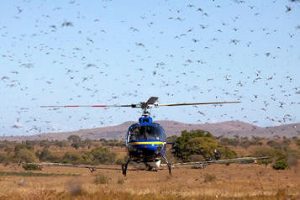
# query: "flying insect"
{"points": [[146, 140]]}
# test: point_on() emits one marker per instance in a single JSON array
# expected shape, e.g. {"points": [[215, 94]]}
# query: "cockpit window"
{"points": [[146, 133]]}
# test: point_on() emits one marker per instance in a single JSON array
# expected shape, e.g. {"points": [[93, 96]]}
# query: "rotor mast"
{"points": [[152, 101]]}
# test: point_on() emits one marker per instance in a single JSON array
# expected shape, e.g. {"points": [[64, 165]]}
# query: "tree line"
{"points": [[192, 145]]}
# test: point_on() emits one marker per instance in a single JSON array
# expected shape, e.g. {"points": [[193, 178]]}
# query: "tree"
{"points": [[73, 158], [46, 155], [198, 143], [202, 145], [25, 155], [101, 155], [75, 141]]}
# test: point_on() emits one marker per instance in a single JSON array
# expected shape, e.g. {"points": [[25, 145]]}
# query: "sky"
{"points": [[121, 52]]}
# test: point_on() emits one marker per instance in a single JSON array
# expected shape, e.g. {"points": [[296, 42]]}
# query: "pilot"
{"points": [[217, 154], [134, 135]]}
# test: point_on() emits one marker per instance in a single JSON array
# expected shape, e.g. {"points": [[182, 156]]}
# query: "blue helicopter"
{"points": [[146, 140]]}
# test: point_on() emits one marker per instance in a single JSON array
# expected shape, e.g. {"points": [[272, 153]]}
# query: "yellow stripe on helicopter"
{"points": [[141, 143]]}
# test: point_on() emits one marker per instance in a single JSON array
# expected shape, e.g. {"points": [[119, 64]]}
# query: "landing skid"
{"points": [[168, 164], [149, 168], [124, 167]]}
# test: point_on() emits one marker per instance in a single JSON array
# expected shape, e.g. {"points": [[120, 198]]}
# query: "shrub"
{"points": [[75, 141], [73, 158], [4, 158], [60, 143], [31, 166], [245, 142], [25, 155], [101, 155], [227, 153], [46, 155], [280, 165], [229, 141], [264, 151]]}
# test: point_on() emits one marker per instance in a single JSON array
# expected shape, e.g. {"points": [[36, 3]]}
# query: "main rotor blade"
{"points": [[141, 105], [152, 100], [200, 103], [91, 106]]}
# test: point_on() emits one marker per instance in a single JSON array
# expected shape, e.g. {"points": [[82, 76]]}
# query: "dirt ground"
{"points": [[248, 181]]}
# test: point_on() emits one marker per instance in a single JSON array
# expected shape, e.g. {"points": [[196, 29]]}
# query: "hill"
{"points": [[228, 129]]}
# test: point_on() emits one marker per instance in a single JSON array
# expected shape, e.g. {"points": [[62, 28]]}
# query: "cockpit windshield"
{"points": [[143, 133]]}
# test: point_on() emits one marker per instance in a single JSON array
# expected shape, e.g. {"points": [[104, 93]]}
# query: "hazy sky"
{"points": [[120, 52]]}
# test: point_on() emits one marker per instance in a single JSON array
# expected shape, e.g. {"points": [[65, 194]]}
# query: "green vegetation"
{"points": [[24, 153], [72, 151], [190, 146], [101, 155], [199, 143], [280, 165], [72, 157], [46, 155], [243, 142], [31, 166], [280, 153], [75, 141]]}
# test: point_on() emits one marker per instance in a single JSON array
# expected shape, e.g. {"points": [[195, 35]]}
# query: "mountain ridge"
{"points": [[227, 128]]}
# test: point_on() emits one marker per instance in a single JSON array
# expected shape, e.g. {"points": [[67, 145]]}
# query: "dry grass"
{"points": [[229, 182]]}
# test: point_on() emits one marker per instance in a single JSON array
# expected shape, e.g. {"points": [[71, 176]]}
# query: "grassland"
{"points": [[235, 181]]}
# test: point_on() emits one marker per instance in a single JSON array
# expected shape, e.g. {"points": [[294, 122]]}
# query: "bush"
{"points": [[4, 158], [75, 141], [46, 155], [280, 165], [227, 153], [198, 143], [25, 155], [31, 166], [74, 158], [100, 155], [229, 141]]}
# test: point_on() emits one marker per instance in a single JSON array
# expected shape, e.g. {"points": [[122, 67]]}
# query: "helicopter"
{"points": [[146, 140]]}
